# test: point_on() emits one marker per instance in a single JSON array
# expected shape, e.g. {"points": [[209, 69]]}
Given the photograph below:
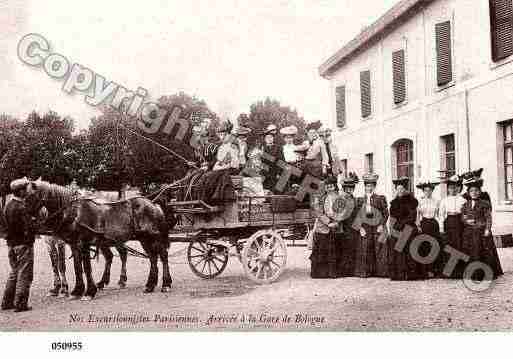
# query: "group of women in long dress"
{"points": [[412, 239]]}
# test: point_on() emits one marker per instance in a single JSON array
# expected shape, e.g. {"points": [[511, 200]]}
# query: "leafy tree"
{"points": [[267, 112], [37, 147], [119, 156]]}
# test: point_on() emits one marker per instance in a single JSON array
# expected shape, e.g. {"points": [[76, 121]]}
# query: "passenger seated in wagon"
{"points": [[215, 186]]}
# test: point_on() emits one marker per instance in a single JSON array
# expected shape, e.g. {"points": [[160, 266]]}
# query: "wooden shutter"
{"points": [[365, 93], [443, 53], [399, 76], [341, 105], [501, 21]]}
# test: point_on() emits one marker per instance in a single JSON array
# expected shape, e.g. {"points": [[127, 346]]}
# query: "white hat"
{"points": [[289, 131], [19, 183], [271, 129]]}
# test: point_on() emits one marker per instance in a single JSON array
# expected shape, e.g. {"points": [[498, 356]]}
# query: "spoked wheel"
{"points": [[264, 256], [206, 260]]}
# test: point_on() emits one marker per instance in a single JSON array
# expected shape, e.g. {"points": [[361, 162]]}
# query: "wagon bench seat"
{"points": [[197, 206]]}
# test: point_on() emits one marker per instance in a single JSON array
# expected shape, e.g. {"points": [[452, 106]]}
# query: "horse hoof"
{"points": [[75, 297], [165, 289], [149, 290], [63, 295], [122, 285], [86, 298]]}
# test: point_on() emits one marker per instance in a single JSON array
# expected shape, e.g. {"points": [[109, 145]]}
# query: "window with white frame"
{"points": [[507, 130], [448, 155]]}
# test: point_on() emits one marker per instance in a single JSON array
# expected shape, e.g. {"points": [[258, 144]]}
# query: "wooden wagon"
{"points": [[256, 229]]}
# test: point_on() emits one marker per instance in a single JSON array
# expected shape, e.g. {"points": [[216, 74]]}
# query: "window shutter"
{"points": [[399, 76], [365, 93], [341, 105], [443, 53], [501, 21]]}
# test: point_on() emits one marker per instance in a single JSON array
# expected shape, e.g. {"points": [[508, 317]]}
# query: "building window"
{"points": [[365, 93], [443, 53], [404, 160], [399, 76], [501, 27], [369, 163], [448, 156], [343, 167], [340, 94], [508, 159]]}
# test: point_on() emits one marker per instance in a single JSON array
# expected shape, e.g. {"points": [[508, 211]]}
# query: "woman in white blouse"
{"points": [[427, 223], [289, 148], [227, 153], [450, 217]]}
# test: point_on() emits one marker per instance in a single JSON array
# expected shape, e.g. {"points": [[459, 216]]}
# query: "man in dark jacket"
{"points": [[20, 242]]}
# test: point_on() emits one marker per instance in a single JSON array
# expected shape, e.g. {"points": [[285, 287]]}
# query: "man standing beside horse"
{"points": [[20, 242]]}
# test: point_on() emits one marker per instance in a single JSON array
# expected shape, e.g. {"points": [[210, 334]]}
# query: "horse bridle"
{"points": [[41, 203]]}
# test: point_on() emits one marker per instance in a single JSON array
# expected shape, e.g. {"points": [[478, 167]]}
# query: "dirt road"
{"points": [[295, 301]]}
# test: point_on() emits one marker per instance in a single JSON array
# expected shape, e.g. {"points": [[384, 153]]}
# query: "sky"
{"points": [[229, 53]]}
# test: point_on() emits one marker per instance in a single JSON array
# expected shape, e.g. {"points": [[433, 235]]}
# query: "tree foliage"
{"points": [[106, 155], [267, 112]]}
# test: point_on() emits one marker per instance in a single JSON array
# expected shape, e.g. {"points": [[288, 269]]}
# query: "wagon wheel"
{"points": [[206, 260], [264, 256]]}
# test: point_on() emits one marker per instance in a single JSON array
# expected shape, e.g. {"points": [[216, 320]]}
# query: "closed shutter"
{"points": [[399, 76], [341, 105], [501, 20], [365, 93], [443, 53]]}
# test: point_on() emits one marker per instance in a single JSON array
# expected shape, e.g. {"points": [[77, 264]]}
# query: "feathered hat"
{"points": [[371, 178], [473, 178], [351, 180], [401, 181], [427, 184]]}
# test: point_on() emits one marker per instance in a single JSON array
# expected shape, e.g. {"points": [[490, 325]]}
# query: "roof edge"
{"points": [[370, 33]]}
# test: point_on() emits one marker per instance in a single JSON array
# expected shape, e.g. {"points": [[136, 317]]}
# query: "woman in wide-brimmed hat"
{"points": [[472, 174], [477, 241], [272, 154], [216, 187], [427, 222], [350, 237], [450, 221], [371, 257], [403, 216], [288, 149], [241, 136], [324, 251]]}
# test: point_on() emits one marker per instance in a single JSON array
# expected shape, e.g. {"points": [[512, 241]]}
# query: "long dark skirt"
{"points": [[453, 237], [430, 227], [481, 248], [324, 256], [346, 246], [381, 250], [365, 253], [216, 187], [401, 265]]}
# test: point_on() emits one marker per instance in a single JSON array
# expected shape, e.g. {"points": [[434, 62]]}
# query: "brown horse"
{"points": [[84, 222]]}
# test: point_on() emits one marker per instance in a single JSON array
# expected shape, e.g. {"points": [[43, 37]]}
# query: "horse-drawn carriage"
{"points": [[255, 229]]}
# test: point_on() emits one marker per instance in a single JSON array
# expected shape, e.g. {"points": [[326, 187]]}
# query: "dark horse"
{"points": [[84, 222]]}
